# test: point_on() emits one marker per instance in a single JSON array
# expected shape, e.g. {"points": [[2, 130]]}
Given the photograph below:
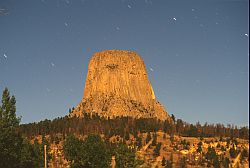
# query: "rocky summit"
{"points": [[117, 84]]}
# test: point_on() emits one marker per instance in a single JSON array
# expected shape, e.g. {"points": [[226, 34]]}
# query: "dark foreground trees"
{"points": [[15, 151], [91, 152], [94, 152], [125, 156]]}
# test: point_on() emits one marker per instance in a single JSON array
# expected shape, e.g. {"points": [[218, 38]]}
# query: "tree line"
{"points": [[127, 125]]}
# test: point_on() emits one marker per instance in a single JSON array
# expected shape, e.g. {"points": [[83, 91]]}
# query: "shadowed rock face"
{"points": [[117, 85]]}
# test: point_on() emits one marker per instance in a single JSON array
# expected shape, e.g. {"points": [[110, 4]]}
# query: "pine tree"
{"points": [[139, 142], [148, 138], [183, 163], [154, 139], [157, 149], [15, 151], [226, 162], [91, 152], [96, 154], [125, 157], [126, 136], [199, 149], [10, 141], [164, 161], [164, 136], [173, 117], [8, 117]]}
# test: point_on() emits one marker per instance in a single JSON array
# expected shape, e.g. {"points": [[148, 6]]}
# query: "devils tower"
{"points": [[117, 84]]}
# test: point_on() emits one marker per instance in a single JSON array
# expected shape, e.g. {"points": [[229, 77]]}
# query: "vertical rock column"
{"points": [[117, 84]]}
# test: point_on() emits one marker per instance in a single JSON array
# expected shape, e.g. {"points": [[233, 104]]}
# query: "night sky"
{"points": [[196, 53]]}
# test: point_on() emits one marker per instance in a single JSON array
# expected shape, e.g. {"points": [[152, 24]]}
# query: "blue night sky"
{"points": [[196, 53]]}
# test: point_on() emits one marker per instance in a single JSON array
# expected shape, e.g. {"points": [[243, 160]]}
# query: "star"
{"points": [[67, 1], [174, 18], [129, 7], [201, 25], [148, 2], [117, 28], [197, 81], [3, 12], [52, 64], [82, 1], [66, 24], [5, 56], [151, 69]]}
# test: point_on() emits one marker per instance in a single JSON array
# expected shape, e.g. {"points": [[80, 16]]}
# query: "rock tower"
{"points": [[117, 84]]}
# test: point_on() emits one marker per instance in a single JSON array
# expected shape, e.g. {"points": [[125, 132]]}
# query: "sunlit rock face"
{"points": [[117, 84]]}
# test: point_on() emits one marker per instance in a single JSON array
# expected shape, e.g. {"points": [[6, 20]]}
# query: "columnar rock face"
{"points": [[117, 84]]}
